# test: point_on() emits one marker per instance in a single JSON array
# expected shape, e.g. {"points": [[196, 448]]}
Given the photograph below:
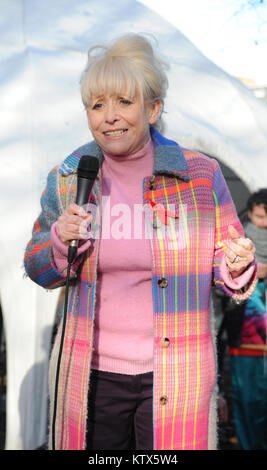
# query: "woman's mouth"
{"points": [[115, 133]]}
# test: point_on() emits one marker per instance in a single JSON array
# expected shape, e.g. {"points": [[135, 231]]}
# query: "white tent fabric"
{"points": [[42, 53]]}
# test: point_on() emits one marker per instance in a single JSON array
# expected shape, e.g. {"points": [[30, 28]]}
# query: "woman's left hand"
{"points": [[239, 252]]}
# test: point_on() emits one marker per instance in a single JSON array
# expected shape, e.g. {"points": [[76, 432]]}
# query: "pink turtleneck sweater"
{"points": [[123, 335]]}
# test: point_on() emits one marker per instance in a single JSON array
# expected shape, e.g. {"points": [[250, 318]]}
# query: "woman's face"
{"points": [[121, 126]]}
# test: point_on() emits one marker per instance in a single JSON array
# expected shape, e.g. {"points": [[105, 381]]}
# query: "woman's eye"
{"points": [[125, 101], [97, 106]]}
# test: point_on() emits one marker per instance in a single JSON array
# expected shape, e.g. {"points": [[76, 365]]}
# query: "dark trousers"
{"points": [[120, 411]]}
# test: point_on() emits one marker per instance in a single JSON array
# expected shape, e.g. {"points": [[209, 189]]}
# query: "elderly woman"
{"points": [[138, 365]]}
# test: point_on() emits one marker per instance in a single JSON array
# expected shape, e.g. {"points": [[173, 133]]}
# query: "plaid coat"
{"points": [[183, 269]]}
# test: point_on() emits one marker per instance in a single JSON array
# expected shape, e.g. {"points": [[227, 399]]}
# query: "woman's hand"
{"points": [[239, 253], [73, 223]]}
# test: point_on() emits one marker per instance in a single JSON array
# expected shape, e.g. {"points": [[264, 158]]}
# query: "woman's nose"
{"points": [[111, 114]]}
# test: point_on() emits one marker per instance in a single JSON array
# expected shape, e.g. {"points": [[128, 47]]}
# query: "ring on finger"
{"points": [[236, 259]]}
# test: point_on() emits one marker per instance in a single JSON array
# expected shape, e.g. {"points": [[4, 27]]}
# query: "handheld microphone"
{"points": [[86, 175]]}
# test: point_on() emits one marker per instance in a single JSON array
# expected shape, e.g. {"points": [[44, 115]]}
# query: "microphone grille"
{"points": [[88, 167]]}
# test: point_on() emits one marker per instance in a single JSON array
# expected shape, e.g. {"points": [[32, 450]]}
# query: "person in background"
{"points": [[138, 366], [247, 331]]}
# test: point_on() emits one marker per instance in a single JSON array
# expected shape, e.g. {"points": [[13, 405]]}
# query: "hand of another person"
{"points": [[222, 409], [239, 252], [262, 270], [73, 223]]}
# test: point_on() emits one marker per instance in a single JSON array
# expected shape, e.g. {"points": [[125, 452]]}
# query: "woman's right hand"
{"points": [[73, 223]]}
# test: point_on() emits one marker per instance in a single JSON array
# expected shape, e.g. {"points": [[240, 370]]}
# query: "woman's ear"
{"points": [[154, 111]]}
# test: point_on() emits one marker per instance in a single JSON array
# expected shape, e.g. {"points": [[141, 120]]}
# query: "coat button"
{"points": [[163, 400], [152, 183], [165, 342], [163, 282], [156, 223]]}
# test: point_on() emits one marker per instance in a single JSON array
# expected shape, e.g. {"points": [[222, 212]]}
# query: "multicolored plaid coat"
{"points": [[183, 269]]}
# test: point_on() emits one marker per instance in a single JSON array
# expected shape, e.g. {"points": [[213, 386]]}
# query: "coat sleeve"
{"points": [[226, 215], [39, 261]]}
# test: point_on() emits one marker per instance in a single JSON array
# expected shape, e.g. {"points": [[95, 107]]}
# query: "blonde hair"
{"points": [[129, 66]]}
